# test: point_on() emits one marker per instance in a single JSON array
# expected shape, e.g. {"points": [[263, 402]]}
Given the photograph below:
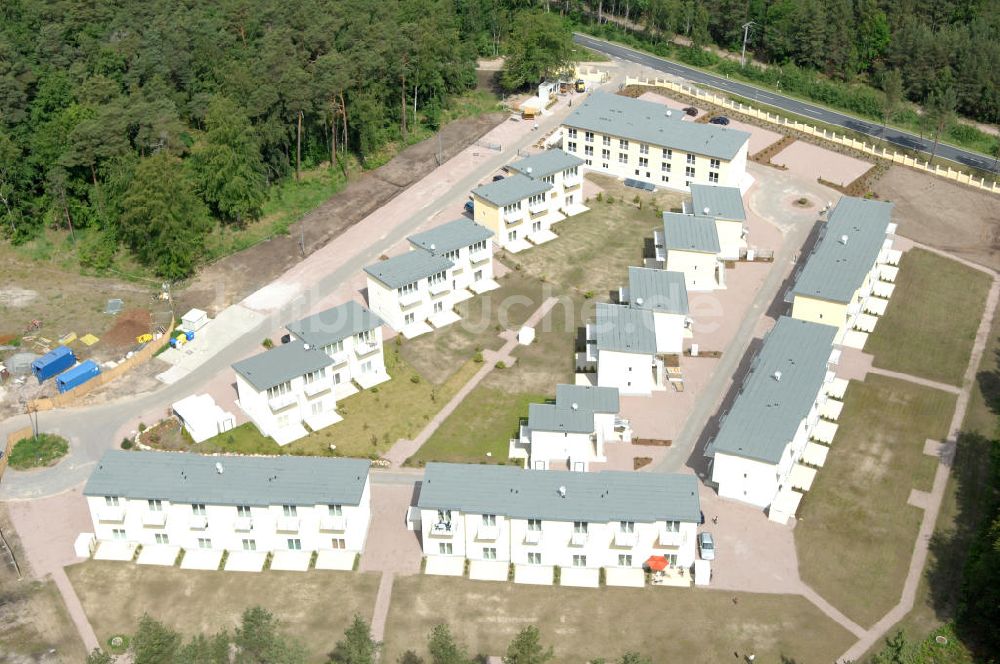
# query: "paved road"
{"points": [[894, 136]]}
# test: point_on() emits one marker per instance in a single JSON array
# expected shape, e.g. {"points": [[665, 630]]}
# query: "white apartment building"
{"points": [[646, 141], [664, 294], [288, 506], [689, 243], [518, 209], [621, 348], [570, 434], [498, 516], [561, 170], [725, 205], [286, 387], [763, 440], [848, 279], [411, 290], [469, 247], [351, 336]]}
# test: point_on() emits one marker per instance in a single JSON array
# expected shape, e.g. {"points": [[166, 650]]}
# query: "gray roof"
{"points": [[451, 236], [281, 363], [658, 290], [330, 326], [534, 494], [407, 268], [546, 163], [562, 416], [625, 329], [184, 477], [835, 269], [722, 202], [648, 122], [768, 411], [511, 189], [690, 232]]}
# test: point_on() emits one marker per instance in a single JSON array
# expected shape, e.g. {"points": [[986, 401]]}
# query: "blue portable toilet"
{"points": [[54, 362], [77, 376]]}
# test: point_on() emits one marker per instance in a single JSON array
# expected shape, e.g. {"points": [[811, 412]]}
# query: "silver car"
{"points": [[706, 546]]}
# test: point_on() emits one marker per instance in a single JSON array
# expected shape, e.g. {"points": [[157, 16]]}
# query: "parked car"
{"points": [[691, 110], [470, 207], [706, 546], [497, 178], [720, 120]]}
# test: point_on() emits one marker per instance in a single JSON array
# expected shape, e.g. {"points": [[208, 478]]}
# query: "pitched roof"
{"points": [[648, 122], [281, 363], [625, 329], [407, 268], [690, 232], [768, 410], [540, 165], [533, 494], [451, 236], [574, 409], [330, 326], [183, 477], [658, 290], [511, 189], [837, 268], [594, 398], [716, 201]]}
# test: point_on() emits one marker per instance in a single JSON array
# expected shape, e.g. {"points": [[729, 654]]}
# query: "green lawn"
{"points": [[855, 533], [582, 624], [43, 450], [931, 322]]}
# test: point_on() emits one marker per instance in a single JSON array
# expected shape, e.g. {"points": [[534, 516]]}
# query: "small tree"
{"points": [[443, 648], [940, 111], [154, 643], [892, 86], [357, 646], [631, 657], [526, 648], [98, 656], [258, 640]]}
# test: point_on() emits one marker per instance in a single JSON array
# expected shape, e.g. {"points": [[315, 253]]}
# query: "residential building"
{"points": [[248, 506], [498, 516], [561, 170], [570, 433], [412, 289], [517, 209], [848, 279], [646, 141], [286, 387], [621, 348], [689, 243], [725, 205], [351, 336], [664, 293], [469, 247], [756, 453]]}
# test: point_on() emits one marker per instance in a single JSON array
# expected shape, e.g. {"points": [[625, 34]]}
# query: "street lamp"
{"points": [[746, 33]]}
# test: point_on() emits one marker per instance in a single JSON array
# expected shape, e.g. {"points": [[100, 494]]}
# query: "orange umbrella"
{"points": [[656, 563]]}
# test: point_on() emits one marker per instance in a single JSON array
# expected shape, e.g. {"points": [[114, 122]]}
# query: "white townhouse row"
{"points": [[848, 279], [246, 507], [520, 209], [725, 206], [645, 141], [419, 289], [689, 244], [570, 434], [498, 516], [763, 450]]}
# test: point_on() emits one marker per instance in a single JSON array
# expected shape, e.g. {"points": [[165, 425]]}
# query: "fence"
{"points": [[882, 153], [141, 356]]}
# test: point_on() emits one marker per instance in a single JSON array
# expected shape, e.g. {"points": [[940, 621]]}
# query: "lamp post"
{"points": [[746, 33]]}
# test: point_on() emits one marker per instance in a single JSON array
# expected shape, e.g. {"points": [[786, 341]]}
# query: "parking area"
{"points": [[808, 160], [760, 138]]}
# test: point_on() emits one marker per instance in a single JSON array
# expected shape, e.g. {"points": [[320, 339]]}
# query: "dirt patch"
{"points": [[128, 325], [639, 462], [12, 296], [945, 215]]}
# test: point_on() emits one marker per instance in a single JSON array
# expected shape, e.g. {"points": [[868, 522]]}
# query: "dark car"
{"points": [[497, 178], [470, 207], [720, 120], [691, 110]]}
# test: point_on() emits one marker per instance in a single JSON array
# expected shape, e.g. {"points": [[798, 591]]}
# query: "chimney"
{"points": [[218, 467], [433, 247], [777, 375], [706, 210], [575, 406], [528, 170], [669, 112], [843, 240]]}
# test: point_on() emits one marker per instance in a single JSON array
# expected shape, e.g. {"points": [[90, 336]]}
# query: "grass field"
{"points": [[664, 624], [39, 451], [931, 322], [856, 532], [316, 606]]}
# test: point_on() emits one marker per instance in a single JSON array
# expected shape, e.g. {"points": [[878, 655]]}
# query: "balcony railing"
{"points": [[670, 538], [439, 287], [538, 208], [282, 401], [365, 348], [488, 533], [199, 522], [578, 539], [480, 256], [288, 524], [533, 537], [316, 387], [154, 519], [243, 524], [625, 539], [333, 523], [571, 181], [442, 529], [409, 299], [111, 514]]}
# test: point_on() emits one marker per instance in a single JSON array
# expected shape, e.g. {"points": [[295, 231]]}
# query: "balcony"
{"points": [[316, 388], [409, 299], [480, 256], [152, 519], [338, 358], [282, 401], [336, 524], [625, 539], [578, 539], [488, 533], [670, 539], [533, 537], [538, 208], [572, 181], [288, 524], [243, 524], [442, 529], [111, 515], [198, 522], [442, 286], [363, 348]]}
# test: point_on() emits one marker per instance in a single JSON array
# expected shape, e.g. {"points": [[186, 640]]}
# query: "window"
{"points": [[622, 144], [155, 505], [588, 162], [444, 516], [335, 510], [489, 519], [690, 158], [607, 140], [489, 553], [313, 376], [570, 172], [589, 137], [512, 208], [537, 199], [278, 390], [588, 150], [249, 545], [438, 307], [437, 278], [579, 561], [665, 167], [338, 543], [478, 246], [643, 148], [624, 560], [580, 526], [626, 526], [408, 319], [643, 162], [243, 511], [198, 510], [204, 543], [161, 538], [366, 366], [111, 501], [316, 407], [289, 510], [368, 336], [511, 236], [673, 526], [294, 544], [664, 178], [444, 548], [668, 153], [714, 163], [622, 158], [572, 145], [118, 533], [534, 525], [408, 289], [571, 132], [605, 154], [713, 177], [333, 349], [452, 256], [689, 171], [535, 558]]}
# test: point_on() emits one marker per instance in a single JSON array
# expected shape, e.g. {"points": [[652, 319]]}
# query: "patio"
{"points": [[203, 559], [245, 561], [158, 554]]}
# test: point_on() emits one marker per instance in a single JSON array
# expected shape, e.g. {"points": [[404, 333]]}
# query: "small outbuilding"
{"points": [[194, 320], [202, 417]]}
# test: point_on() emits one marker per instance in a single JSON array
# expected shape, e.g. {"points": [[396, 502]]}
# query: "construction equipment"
{"points": [[144, 338], [581, 85]]}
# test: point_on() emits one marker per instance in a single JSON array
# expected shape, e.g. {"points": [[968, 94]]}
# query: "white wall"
{"points": [[731, 239], [699, 268], [631, 373], [670, 332]]}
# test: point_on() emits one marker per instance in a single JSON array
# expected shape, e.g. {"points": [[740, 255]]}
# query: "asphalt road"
{"points": [[894, 136]]}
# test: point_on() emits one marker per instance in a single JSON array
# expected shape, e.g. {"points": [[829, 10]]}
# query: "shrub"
{"points": [[142, 427], [127, 443], [610, 200], [600, 196], [38, 451], [588, 295], [414, 379], [478, 357], [267, 343], [501, 364]]}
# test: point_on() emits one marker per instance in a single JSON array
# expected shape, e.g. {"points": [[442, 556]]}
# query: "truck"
{"points": [[52, 363], [77, 376]]}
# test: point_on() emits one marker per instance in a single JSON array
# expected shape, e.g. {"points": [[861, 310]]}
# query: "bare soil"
{"points": [[129, 324]]}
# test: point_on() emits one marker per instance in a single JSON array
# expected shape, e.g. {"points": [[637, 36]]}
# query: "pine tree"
{"points": [[526, 648]]}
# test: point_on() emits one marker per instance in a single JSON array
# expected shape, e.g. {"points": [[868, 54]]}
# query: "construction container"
{"points": [[52, 363], [77, 376]]}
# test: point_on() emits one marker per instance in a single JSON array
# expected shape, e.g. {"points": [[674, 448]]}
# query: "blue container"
{"points": [[54, 362], [77, 376]]}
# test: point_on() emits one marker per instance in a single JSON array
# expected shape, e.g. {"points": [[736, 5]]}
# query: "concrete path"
{"points": [[944, 387], [75, 610], [404, 449], [382, 601]]}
